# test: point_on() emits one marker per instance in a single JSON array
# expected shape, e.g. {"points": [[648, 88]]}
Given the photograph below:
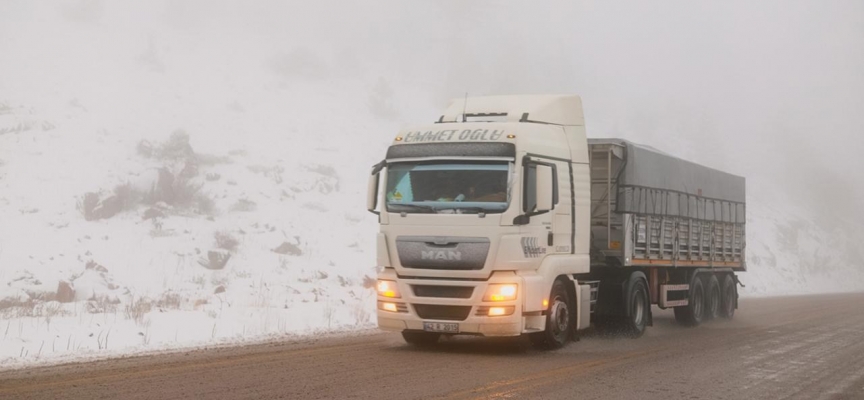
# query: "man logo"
{"points": [[441, 255]]}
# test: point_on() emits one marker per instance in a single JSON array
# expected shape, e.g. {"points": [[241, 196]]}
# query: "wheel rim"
{"points": [[560, 316], [638, 308]]}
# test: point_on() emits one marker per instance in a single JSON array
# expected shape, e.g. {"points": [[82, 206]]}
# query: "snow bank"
{"points": [[792, 251]]}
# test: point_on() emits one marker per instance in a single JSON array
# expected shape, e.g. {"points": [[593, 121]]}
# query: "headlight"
{"points": [[388, 289], [501, 292]]}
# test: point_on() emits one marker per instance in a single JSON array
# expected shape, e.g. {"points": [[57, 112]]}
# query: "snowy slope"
{"points": [[791, 251], [289, 220], [263, 170], [135, 159]]}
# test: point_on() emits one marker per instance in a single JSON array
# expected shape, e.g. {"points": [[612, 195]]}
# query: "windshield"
{"points": [[464, 187]]}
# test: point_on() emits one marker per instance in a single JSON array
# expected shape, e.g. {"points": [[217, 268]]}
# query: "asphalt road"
{"points": [[809, 347]]}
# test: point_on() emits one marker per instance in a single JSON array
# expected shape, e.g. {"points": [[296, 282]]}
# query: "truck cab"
{"points": [[480, 213]]}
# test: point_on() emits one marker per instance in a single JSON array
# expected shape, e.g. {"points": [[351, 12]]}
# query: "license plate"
{"points": [[440, 327]]}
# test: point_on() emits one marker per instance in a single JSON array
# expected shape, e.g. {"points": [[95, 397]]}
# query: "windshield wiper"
{"points": [[418, 207], [480, 210]]}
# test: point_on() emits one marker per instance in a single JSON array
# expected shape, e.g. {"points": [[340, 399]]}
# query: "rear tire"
{"points": [[728, 297], [559, 320], [712, 298], [421, 338], [639, 307], [693, 313]]}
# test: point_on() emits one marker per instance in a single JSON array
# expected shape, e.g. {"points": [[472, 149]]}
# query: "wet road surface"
{"points": [[808, 347]]}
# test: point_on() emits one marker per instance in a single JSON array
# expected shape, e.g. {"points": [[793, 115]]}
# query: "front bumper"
{"points": [[476, 322]]}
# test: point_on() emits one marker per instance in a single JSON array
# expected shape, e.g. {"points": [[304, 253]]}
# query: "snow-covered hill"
{"points": [[114, 242], [159, 191], [791, 251]]}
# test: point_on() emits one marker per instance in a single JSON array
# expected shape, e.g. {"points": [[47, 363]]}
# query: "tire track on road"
{"points": [[104, 377], [716, 338]]}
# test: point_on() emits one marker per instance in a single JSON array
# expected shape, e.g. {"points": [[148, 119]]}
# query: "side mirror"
{"points": [[372, 193], [540, 190], [544, 188]]}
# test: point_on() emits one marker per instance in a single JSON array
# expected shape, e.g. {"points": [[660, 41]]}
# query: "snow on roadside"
{"points": [[143, 276], [791, 251], [112, 244]]}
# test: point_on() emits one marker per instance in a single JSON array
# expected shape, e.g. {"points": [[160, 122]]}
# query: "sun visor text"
{"points": [[454, 134]]}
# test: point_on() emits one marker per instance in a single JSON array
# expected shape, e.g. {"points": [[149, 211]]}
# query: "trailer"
{"points": [[502, 218], [680, 223]]}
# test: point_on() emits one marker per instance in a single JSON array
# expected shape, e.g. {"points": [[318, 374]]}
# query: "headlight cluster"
{"points": [[388, 289], [501, 292]]}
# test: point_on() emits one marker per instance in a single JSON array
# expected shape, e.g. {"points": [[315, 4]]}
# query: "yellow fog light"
{"points": [[389, 307], [501, 292], [388, 289], [501, 311]]}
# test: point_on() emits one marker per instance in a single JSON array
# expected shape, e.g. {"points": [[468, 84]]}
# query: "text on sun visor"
{"points": [[453, 134]]}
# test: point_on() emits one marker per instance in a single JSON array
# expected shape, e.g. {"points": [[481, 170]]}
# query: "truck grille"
{"points": [[450, 292], [442, 252], [448, 313]]}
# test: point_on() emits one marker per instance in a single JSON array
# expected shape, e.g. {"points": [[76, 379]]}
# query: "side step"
{"points": [[587, 292], [664, 296], [595, 291]]}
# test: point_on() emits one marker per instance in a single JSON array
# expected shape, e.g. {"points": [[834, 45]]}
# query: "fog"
{"points": [[292, 102], [772, 91]]}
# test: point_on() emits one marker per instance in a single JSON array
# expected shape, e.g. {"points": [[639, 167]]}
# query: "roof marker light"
{"points": [[511, 136]]}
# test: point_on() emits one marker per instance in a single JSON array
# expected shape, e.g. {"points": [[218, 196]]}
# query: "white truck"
{"points": [[504, 219]]}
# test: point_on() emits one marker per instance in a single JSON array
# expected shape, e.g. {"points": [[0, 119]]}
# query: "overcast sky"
{"points": [[772, 90]]}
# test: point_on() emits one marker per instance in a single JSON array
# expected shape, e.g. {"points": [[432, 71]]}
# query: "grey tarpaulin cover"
{"points": [[653, 182]]}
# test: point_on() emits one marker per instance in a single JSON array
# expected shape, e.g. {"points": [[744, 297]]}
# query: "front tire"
{"points": [[640, 307], [693, 313], [559, 320], [422, 339]]}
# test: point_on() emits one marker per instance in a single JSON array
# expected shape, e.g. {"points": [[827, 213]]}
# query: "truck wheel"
{"points": [[712, 298], [728, 297], [637, 299], [559, 320], [421, 338], [692, 313]]}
